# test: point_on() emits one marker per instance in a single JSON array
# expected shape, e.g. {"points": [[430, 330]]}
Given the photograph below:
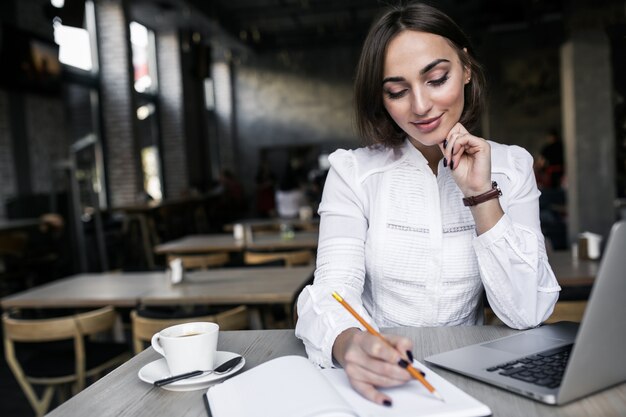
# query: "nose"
{"points": [[421, 103]]}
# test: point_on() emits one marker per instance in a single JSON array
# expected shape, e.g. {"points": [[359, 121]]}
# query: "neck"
{"points": [[432, 154]]}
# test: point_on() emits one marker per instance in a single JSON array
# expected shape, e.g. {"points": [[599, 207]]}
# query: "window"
{"points": [[148, 132], [143, 48], [144, 58], [77, 44]]}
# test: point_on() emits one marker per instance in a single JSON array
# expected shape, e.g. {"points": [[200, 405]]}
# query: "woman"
{"points": [[396, 238]]}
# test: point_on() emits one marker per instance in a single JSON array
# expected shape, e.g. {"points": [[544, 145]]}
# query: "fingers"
{"points": [[368, 391], [369, 363], [457, 141], [377, 373], [402, 345], [372, 353]]}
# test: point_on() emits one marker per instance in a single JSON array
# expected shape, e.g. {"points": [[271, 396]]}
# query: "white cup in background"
{"points": [[238, 231], [188, 347], [305, 213], [589, 245]]}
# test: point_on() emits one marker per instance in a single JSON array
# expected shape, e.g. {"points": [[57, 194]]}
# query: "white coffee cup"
{"points": [[188, 347]]}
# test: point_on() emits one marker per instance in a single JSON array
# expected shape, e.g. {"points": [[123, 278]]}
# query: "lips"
{"points": [[428, 125]]}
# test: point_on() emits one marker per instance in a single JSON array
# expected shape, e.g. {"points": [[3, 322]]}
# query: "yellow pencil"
{"points": [[414, 372]]}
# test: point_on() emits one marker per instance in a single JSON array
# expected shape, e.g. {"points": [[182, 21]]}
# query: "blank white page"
{"points": [[411, 399], [289, 386]]}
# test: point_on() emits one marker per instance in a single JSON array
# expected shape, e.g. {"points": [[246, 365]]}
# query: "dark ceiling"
{"points": [[285, 24], [277, 24]]}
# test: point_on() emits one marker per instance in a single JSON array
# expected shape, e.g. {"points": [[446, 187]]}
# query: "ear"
{"points": [[467, 72]]}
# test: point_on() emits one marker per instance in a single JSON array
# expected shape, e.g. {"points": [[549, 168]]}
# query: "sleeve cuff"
{"points": [[494, 234]]}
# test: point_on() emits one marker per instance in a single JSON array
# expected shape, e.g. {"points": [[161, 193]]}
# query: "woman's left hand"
{"points": [[469, 159]]}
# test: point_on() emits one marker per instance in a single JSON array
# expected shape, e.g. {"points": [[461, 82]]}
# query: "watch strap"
{"points": [[486, 196]]}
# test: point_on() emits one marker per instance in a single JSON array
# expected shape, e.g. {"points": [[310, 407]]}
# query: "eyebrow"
{"points": [[422, 71]]}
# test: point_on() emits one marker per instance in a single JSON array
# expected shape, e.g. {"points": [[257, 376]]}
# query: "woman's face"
{"points": [[423, 84]]}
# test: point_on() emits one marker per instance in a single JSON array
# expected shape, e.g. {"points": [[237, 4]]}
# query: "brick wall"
{"points": [[29, 15], [294, 98], [44, 142], [47, 140], [7, 166]]}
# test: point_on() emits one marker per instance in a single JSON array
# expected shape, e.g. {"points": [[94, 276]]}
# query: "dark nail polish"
{"points": [[409, 354], [403, 364], [387, 403], [423, 373], [445, 143], [451, 164], [445, 162]]}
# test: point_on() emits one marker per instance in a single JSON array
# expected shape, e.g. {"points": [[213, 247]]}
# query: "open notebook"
{"points": [[291, 386]]}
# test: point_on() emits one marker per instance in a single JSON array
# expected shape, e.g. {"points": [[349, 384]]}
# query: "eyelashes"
{"points": [[440, 81], [397, 95], [434, 83]]}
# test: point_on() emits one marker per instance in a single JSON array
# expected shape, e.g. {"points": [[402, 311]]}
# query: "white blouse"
{"points": [[398, 244]]}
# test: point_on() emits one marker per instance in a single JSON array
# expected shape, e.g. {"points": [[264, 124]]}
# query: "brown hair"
{"points": [[372, 120]]}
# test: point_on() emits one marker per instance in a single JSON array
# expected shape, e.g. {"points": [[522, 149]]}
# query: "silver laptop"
{"points": [[561, 362]]}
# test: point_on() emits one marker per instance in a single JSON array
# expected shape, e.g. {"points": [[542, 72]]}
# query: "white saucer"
{"points": [[158, 370]]}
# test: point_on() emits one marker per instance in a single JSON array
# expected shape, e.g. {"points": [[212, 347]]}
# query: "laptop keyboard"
{"points": [[545, 369]]}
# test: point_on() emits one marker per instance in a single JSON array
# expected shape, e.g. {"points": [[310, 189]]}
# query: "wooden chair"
{"points": [[70, 360], [568, 311], [13, 244], [145, 327], [202, 261], [563, 311], [301, 257]]}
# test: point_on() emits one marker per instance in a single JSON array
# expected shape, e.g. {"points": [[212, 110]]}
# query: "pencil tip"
{"points": [[439, 397]]}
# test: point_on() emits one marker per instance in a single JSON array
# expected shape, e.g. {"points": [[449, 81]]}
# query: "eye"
{"points": [[395, 95], [439, 81]]}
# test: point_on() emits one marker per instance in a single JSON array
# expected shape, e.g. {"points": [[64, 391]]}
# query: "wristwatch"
{"points": [[481, 198]]}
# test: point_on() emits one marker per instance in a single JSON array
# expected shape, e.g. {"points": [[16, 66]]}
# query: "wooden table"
{"points": [[122, 393], [271, 285], [275, 223], [200, 244], [570, 271], [274, 241], [89, 290], [217, 286]]}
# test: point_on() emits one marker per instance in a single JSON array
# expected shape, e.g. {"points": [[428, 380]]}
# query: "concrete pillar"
{"points": [[222, 75], [124, 174], [173, 147], [586, 99]]}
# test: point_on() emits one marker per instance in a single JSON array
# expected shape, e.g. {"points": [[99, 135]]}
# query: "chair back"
{"points": [[13, 244], [73, 327], [202, 261], [295, 258], [58, 328], [145, 327]]}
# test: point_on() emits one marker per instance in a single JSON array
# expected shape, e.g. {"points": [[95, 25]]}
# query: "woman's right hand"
{"points": [[371, 363]]}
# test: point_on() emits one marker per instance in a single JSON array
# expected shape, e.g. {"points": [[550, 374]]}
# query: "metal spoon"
{"points": [[222, 369]]}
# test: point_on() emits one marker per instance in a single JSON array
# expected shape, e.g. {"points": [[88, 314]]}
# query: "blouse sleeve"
{"points": [[520, 285], [340, 263]]}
